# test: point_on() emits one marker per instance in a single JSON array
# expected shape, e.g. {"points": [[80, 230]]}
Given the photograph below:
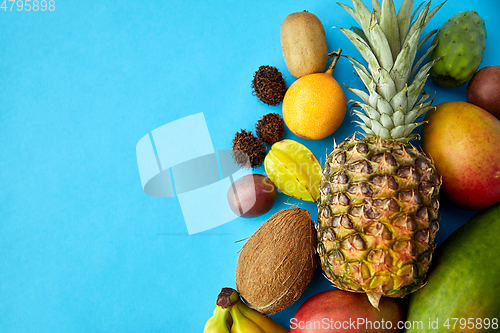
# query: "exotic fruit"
{"points": [[465, 264], [278, 261], [247, 150], [378, 209], [251, 195], [314, 106], [303, 42], [232, 315], [269, 85], [294, 169], [270, 128], [483, 89], [340, 307], [470, 166], [460, 42]]}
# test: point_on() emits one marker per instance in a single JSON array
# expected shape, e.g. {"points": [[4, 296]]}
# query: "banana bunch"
{"points": [[231, 315]]}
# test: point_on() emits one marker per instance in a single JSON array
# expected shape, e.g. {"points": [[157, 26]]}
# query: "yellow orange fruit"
{"points": [[314, 106]]}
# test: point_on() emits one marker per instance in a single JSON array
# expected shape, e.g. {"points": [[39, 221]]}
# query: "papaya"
{"points": [[462, 293]]}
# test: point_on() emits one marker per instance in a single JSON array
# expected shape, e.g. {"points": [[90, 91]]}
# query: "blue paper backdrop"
{"points": [[82, 247]]}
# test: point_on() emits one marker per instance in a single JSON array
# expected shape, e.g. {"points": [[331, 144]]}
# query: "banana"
{"points": [[221, 320], [263, 321], [242, 324], [218, 323], [231, 315]]}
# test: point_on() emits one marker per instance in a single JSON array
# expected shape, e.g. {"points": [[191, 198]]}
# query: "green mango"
{"points": [[462, 293]]}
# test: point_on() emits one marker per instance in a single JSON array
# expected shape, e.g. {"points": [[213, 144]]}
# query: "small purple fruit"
{"points": [[251, 195], [484, 89]]}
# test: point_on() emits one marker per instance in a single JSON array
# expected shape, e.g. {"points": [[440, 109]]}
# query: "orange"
{"points": [[314, 106]]}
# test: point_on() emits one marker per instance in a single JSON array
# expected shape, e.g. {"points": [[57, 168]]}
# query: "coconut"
{"points": [[278, 261]]}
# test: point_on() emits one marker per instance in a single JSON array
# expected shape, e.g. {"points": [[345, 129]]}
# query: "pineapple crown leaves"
{"points": [[389, 42]]}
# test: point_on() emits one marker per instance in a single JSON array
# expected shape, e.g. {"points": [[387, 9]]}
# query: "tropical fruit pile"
{"points": [[378, 194]]}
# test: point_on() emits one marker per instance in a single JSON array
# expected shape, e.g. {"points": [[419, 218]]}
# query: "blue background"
{"points": [[82, 247]]}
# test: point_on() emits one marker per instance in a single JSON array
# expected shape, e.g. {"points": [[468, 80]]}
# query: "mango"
{"points": [[464, 142], [344, 311], [462, 293]]}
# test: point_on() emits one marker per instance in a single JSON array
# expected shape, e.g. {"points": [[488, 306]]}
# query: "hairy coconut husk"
{"points": [[278, 261]]}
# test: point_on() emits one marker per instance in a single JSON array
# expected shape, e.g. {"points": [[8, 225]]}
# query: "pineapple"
{"points": [[378, 209]]}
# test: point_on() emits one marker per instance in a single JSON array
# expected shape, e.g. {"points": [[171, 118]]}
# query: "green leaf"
{"points": [[360, 33], [418, 24], [371, 112], [404, 19], [351, 12], [417, 112], [400, 100], [358, 65], [425, 97], [429, 35], [367, 130], [363, 48], [402, 67], [398, 118], [380, 45], [361, 94], [380, 130], [386, 121], [364, 16], [354, 102], [414, 91], [416, 11], [386, 86], [384, 107], [366, 120], [411, 116], [376, 9], [363, 74], [410, 127], [422, 58], [367, 80], [424, 105], [397, 132], [422, 73], [389, 24], [432, 12]]}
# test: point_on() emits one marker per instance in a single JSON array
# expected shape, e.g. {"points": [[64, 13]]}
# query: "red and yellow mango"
{"points": [[464, 142]]}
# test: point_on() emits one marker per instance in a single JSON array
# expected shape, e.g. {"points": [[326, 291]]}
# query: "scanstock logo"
{"points": [[178, 159]]}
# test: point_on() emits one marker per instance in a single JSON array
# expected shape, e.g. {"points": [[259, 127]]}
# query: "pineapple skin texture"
{"points": [[461, 42], [377, 216]]}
